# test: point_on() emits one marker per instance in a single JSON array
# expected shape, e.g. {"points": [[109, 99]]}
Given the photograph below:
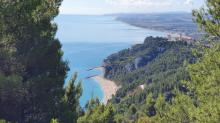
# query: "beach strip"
{"points": [[109, 87]]}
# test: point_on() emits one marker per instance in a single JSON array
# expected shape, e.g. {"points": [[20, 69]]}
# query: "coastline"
{"points": [[144, 27], [109, 87]]}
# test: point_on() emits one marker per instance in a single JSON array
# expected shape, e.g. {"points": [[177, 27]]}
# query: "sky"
{"points": [[99, 7]]}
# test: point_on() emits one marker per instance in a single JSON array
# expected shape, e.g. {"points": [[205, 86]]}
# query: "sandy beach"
{"points": [[109, 87]]}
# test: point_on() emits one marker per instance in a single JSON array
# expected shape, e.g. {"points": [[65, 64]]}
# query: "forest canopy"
{"points": [[181, 80]]}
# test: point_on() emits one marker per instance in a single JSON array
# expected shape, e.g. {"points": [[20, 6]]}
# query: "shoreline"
{"points": [[166, 31], [108, 87], [146, 28]]}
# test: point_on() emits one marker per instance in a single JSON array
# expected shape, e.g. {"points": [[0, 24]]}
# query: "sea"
{"points": [[87, 40]]}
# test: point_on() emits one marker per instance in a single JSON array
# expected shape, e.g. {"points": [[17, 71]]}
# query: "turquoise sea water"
{"points": [[87, 40]]}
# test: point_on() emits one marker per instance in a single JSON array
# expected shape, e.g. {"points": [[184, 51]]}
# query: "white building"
{"points": [[179, 37]]}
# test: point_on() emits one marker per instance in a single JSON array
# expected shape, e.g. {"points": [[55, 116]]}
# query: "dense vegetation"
{"points": [[97, 112], [179, 87], [32, 71], [193, 87], [157, 64], [145, 63], [201, 102]]}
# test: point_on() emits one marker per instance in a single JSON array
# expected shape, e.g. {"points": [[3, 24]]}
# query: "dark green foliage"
{"points": [[32, 71], [32, 74], [159, 56], [160, 70], [201, 103], [12, 96], [98, 113], [70, 108], [208, 18], [174, 92]]}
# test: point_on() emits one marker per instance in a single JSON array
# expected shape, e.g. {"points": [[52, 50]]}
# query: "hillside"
{"points": [[157, 64]]}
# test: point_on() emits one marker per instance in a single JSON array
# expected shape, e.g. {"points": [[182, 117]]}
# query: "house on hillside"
{"points": [[179, 37]]}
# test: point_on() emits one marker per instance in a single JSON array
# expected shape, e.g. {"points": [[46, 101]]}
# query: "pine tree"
{"points": [[208, 18], [32, 71], [96, 112], [70, 108], [201, 102]]}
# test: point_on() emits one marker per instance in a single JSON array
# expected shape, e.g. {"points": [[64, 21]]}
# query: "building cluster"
{"points": [[179, 37]]}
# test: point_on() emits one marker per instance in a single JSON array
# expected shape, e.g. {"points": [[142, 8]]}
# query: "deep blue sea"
{"points": [[87, 40]]}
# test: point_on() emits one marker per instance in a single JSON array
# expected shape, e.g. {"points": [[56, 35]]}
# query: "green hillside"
{"points": [[157, 64]]}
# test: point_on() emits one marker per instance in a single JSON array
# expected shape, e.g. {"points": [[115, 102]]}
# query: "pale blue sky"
{"points": [[127, 6]]}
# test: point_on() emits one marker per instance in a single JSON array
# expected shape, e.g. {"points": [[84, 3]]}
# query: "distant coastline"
{"points": [[109, 87], [166, 22]]}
